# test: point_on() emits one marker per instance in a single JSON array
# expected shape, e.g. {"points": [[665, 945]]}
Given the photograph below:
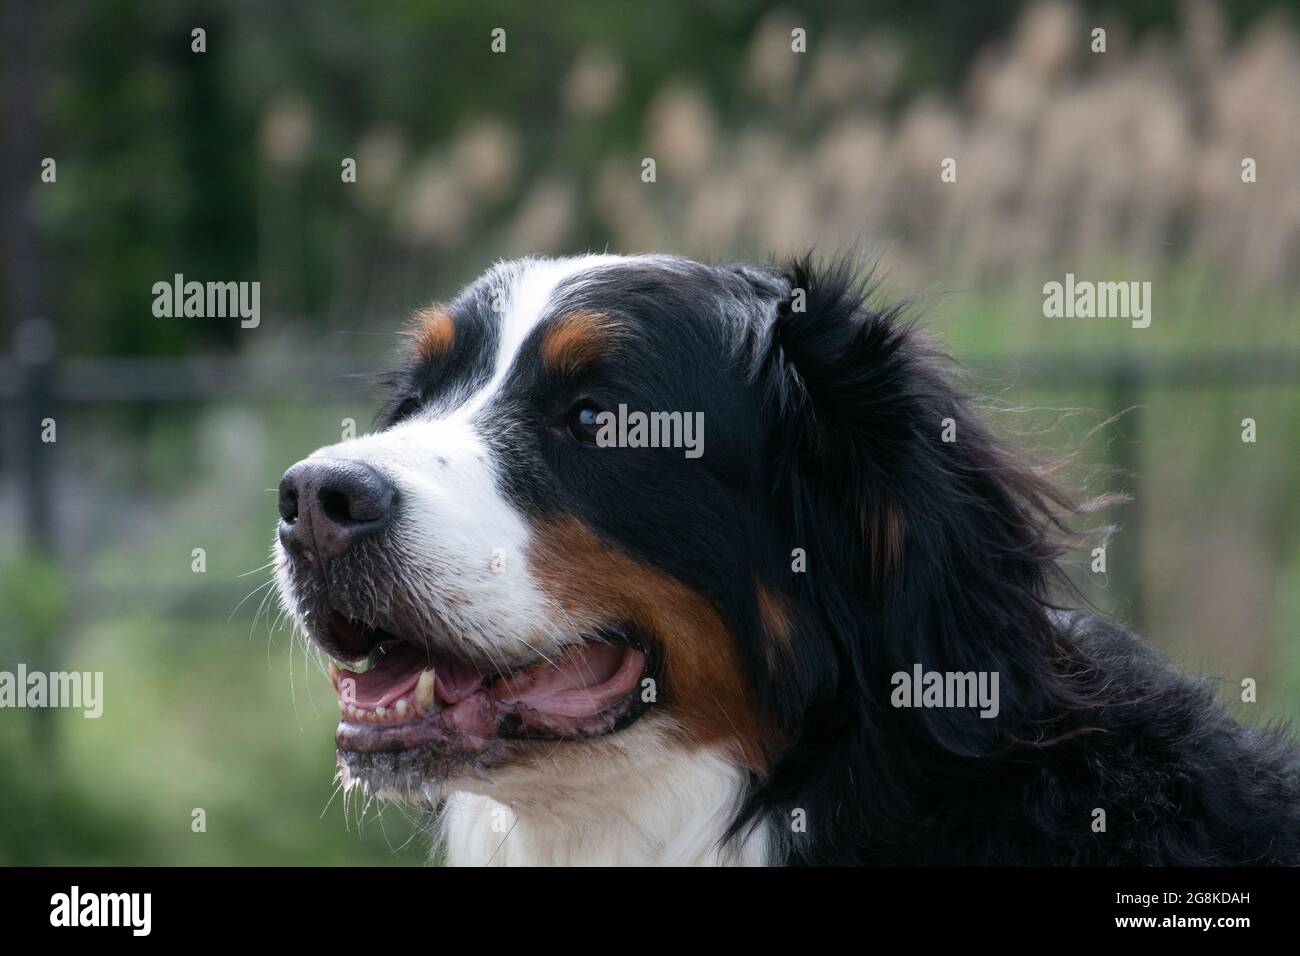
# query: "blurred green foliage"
{"points": [[226, 165], [163, 159]]}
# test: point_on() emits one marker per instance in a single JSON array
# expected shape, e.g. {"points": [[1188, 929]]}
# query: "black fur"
{"points": [[1090, 717], [825, 421]]}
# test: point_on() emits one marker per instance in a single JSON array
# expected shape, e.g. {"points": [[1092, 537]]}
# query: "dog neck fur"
{"points": [[673, 812]]}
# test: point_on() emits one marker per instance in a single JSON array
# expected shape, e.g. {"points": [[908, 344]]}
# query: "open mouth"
{"points": [[415, 697]]}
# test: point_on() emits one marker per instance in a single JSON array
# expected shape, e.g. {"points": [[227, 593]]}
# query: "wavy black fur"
{"points": [[1090, 717]]}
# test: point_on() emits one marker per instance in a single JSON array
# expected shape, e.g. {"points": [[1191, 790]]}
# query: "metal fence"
{"points": [[35, 383]]}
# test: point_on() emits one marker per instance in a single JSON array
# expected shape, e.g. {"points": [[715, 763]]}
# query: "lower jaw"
{"points": [[474, 728], [425, 734], [413, 761], [416, 774]]}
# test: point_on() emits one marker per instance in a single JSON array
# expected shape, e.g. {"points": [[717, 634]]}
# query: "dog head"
{"points": [[621, 507]]}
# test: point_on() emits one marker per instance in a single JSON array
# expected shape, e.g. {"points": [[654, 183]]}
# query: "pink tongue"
{"points": [[388, 680], [397, 673], [584, 681], [455, 681]]}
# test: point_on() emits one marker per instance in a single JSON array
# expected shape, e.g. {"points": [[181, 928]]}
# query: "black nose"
{"points": [[327, 505]]}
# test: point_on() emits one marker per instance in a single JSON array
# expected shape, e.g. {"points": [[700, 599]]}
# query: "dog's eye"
{"points": [[582, 422]]}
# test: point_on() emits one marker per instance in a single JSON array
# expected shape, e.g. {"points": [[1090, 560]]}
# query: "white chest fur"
{"points": [[673, 812]]}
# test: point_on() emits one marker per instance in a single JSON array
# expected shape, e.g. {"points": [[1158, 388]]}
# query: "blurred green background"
{"points": [[225, 165]]}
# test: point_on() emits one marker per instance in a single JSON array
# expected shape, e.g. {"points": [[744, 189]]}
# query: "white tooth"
{"points": [[381, 711], [352, 711], [334, 674], [401, 707], [360, 712], [424, 689]]}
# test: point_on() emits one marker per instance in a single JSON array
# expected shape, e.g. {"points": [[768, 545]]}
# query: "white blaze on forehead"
{"points": [[525, 290]]}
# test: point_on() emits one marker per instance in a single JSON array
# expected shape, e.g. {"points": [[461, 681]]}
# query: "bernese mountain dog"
{"points": [[651, 561]]}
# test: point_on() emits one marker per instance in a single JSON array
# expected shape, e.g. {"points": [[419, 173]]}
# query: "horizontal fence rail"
{"points": [[235, 378], [199, 379], [34, 387]]}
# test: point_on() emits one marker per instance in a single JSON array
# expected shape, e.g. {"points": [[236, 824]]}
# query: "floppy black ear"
{"points": [[927, 543], [848, 392]]}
